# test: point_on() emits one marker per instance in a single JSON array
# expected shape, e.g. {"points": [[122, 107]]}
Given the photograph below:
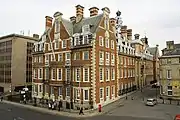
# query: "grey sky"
{"points": [[159, 18]]}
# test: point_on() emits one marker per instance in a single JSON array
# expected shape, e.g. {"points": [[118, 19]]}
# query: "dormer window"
{"points": [[57, 26], [76, 40], [85, 39], [85, 28]]}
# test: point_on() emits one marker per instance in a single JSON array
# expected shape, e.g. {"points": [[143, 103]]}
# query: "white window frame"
{"points": [[64, 44], [60, 91], [122, 73], [84, 94], [101, 96], [49, 46], [52, 57], [56, 42], [107, 77], [52, 75], [170, 73], [87, 74], [77, 93], [112, 58], [34, 74], [75, 56], [112, 74], [46, 58], [40, 72], [84, 55], [101, 60], [85, 37], [112, 44], [60, 54], [113, 90], [40, 59], [40, 90], [69, 56], [77, 77], [107, 92], [125, 73], [101, 41], [107, 42], [107, 58], [67, 91], [52, 90], [76, 40], [58, 73], [86, 28], [102, 74]]}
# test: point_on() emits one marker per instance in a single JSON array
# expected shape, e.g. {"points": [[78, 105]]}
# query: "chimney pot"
{"points": [[73, 19], [136, 36], [57, 14], [106, 10], [93, 11], [36, 36]]}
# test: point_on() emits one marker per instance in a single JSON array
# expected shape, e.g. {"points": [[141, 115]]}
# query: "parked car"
{"points": [[151, 102], [177, 117]]}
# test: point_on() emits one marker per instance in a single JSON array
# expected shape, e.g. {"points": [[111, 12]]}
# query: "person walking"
{"points": [[59, 106], [81, 111]]}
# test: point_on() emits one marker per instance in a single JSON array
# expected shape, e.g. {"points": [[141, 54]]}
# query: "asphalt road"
{"points": [[132, 110], [11, 112], [136, 109]]}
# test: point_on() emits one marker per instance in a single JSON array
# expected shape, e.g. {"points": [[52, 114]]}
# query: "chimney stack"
{"points": [[57, 15], [113, 21], [93, 11], [136, 36], [106, 10], [129, 34], [79, 13], [73, 19], [124, 32], [48, 23], [36, 36]]}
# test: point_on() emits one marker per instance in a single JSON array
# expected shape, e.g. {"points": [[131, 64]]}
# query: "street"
{"points": [[130, 110]]}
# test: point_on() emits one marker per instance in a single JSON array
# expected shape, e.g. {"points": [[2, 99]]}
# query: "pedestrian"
{"points": [[49, 105], [1, 98], [52, 105], [59, 106], [81, 111]]}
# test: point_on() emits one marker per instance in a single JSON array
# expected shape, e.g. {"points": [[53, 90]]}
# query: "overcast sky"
{"points": [[160, 19]]}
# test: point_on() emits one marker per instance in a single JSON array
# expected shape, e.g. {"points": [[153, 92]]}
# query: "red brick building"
{"points": [[75, 61]]}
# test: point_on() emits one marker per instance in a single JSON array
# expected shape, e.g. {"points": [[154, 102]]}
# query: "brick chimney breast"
{"points": [[93, 11], [79, 13], [48, 23]]}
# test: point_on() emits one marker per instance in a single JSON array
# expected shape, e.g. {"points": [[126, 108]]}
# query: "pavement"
{"points": [[121, 109], [71, 113], [136, 109]]}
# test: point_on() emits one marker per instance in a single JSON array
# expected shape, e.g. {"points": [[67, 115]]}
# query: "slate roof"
{"points": [[175, 51], [93, 21], [152, 50]]}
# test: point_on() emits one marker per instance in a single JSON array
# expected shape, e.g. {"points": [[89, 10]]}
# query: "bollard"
{"points": [[99, 108]]}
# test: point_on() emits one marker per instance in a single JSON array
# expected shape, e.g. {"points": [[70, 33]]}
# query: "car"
{"points": [[177, 117], [151, 102]]}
